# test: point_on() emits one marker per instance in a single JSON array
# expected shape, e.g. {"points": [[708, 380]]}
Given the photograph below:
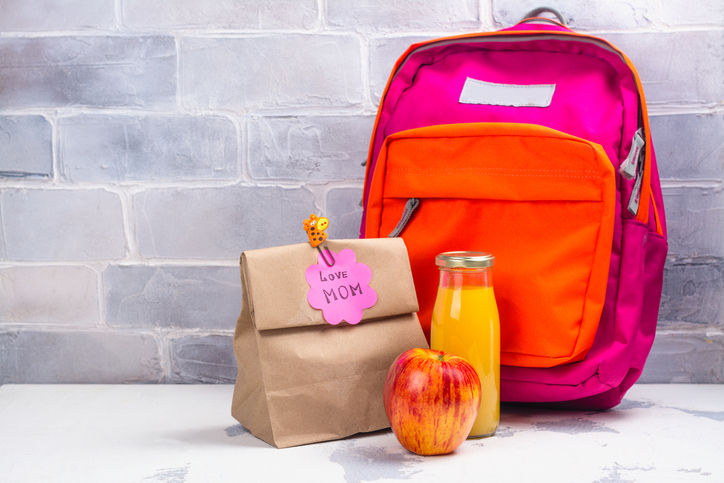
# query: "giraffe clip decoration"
{"points": [[315, 226]]}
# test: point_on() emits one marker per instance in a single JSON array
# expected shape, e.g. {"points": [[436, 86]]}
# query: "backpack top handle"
{"points": [[534, 15]]}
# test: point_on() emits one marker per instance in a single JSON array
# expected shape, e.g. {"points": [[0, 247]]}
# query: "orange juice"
{"points": [[465, 322]]}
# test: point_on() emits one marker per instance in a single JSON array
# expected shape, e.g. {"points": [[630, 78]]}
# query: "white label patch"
{"points": [[490, 94]]}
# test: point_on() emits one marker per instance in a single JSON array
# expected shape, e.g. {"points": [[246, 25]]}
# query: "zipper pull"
{"points": [[410, 207], [635, 199], [630, 165]]}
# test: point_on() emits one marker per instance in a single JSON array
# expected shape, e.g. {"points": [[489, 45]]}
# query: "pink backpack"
{"points": [[541, 79]]}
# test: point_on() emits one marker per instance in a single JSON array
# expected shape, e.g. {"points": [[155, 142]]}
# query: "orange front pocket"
{"points": [[541, 201]]}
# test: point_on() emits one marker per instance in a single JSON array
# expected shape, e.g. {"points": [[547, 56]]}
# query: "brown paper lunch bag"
{"points": [[300, 379]]}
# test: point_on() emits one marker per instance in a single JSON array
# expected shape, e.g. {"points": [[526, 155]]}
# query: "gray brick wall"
{"points": [[144, 145]]}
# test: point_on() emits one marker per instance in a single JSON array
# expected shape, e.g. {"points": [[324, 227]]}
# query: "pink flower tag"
{"points": [[341, 291]]}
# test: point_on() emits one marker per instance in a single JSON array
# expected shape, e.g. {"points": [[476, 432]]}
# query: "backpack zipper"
{"points": [[635, 198], [632, 168], [629, 167], [410, 207]]}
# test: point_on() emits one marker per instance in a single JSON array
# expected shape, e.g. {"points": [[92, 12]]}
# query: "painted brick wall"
{"points": [[145, 145]]}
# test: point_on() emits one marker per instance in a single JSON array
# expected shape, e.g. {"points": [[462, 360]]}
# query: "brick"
{"points": [[8, 357], [79, 357], [344, 212], [3, 251], [203, 359], [703, 12], [134, 72], [309, 148], [275, 71], [25, 147], [192, 14], [677, 67], [689, 146], [695, 222], [403, 15], [384, 53], [693, 292], [62, 224], [21, 15], [219, 223], [686, 357], [49, 295], [612, 14], [173, 297], [101, 148]]}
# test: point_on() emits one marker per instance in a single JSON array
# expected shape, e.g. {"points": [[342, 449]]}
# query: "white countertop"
{"points": [[184, 433]]}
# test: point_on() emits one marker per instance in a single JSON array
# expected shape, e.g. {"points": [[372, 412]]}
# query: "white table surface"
{"points": [[184, 433]]}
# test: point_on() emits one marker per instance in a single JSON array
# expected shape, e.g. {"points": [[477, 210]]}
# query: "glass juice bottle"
{"points": [[465, 322]]}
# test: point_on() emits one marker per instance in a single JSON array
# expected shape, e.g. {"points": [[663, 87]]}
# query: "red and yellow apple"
{"points": [[431, 399]]}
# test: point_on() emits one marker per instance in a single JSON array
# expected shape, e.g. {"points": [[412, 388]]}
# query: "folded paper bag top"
{"points": [[278, 295], [300, 379]]}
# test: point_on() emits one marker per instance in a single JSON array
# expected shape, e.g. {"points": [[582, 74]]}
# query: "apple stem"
{"points": [[441, 357]]}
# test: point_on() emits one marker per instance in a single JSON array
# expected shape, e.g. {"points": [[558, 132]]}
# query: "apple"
{"points": [[431, 399]]}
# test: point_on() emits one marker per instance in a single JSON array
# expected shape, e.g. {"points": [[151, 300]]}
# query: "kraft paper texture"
{"points": [[300, 379]]}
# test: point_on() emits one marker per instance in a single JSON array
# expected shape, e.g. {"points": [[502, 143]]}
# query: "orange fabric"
{"points": [[541, 201]]}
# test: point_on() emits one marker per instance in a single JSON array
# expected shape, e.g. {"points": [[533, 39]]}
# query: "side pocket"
{"points": [[657, 249], [629, 304]]}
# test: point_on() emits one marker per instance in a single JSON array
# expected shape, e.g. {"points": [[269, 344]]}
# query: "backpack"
{"points": [[531, 143]]}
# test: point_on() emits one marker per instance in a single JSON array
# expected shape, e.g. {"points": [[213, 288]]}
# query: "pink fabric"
{"points": [[595, 98], [533, 25]]}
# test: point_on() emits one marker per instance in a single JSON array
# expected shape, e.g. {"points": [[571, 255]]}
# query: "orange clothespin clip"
{"points": [[315, 226]]}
